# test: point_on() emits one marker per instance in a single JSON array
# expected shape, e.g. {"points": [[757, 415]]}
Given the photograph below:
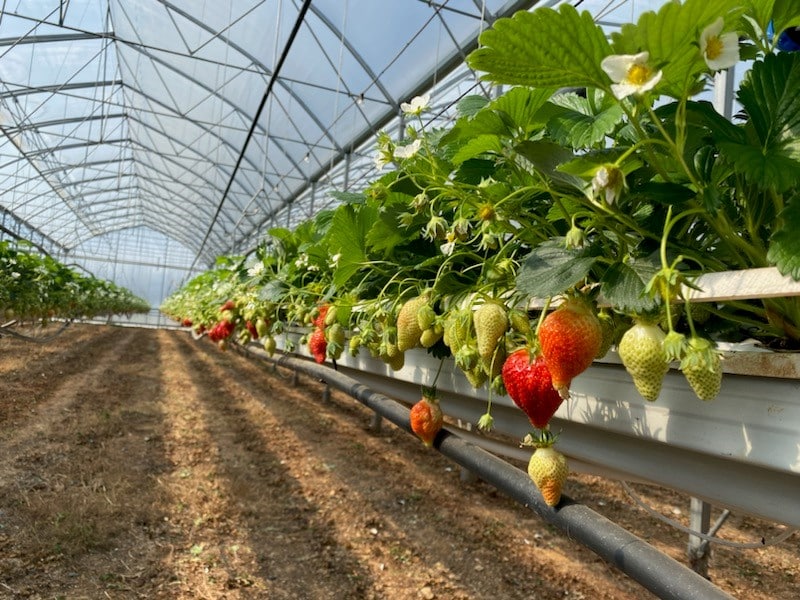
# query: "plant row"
{"points": [[37, 287], [600, 183]]}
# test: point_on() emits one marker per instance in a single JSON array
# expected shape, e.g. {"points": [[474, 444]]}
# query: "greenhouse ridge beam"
{"points": [[254, 125], [654, 570]]}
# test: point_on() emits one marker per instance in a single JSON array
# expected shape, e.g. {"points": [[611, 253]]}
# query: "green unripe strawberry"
{"points": [[408, 329], [331, 316], [425, 316], [701, 365], [519, 322], [335, 337], [476, 377], [431, 335], [262, 328], [270, 345], [642, 352], [491, 323], [458, 330]]}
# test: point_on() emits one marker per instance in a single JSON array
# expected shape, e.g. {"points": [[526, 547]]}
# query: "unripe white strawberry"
{"points": [[642, 352], [548, 469], [701, 365], [408, 329], [491, 323]]}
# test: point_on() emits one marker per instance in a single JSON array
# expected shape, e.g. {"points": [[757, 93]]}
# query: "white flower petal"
{"points": [[617, 66], [408, 150], [729, 55]]}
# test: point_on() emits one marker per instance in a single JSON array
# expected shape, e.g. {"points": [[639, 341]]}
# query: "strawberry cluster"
{"points": [[222, 330]]}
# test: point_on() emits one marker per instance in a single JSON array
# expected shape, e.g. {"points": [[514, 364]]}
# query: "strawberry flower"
{"points": [[408, 150], [630, 73], [720, 50], [417, 105], [608, 182]]}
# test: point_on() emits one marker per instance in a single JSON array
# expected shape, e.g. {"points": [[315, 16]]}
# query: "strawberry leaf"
{"points": [[784, 249], [551, 269], [543, 48], [522, 106], [477, 146], [584, 122], [770, 159], [623, 287], [348, 238]]}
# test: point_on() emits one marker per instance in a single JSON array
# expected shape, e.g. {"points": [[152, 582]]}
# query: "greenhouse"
{"points": [[394, 300]]}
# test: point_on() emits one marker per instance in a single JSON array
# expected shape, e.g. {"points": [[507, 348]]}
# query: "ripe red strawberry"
{"points": [[319, 320], [548, 470], [251, 328], [530, 386], [426, 417], [317, 344], [570, 338], [229, 305]]}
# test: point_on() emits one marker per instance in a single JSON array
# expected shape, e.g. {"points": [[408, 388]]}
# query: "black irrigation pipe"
{"points": [[654, 570]]}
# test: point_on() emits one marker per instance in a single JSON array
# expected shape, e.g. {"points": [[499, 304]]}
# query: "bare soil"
{"points": [[144, 464]]}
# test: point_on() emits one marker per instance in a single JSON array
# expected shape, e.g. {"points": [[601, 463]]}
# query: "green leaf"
{"points": [[769, 96], [671, 37], [544, 48], [348, 197], [765, 168], [386, 233], [468, 106], [473, 171], [522, 105], [348, 237], [584, 122], [550, 269], [546, 157], [477, 146], [623, 287], [784, 249]]}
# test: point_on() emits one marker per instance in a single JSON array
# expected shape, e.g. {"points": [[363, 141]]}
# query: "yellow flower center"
{"points": [[486, 212], [638, 74], [713, 47]]}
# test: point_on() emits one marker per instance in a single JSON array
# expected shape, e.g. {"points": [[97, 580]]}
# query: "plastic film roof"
{"points": [[203, 122]]}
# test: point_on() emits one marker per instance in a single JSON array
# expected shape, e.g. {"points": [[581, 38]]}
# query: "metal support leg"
{"points": [[326, 394], [467, 476], [698, 549], [295, 378], [376, 423]]}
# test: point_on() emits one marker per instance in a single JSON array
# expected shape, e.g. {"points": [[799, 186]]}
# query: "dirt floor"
{"points": [[145, 464]]}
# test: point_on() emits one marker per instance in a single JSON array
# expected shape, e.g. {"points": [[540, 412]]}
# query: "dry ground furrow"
{"points": [[394, 501], [77, 499], [258, 507]]}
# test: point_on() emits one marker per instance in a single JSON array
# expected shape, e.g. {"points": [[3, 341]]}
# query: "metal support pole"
{"points": [[698, 550], [376, 423], [326, 394]]}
